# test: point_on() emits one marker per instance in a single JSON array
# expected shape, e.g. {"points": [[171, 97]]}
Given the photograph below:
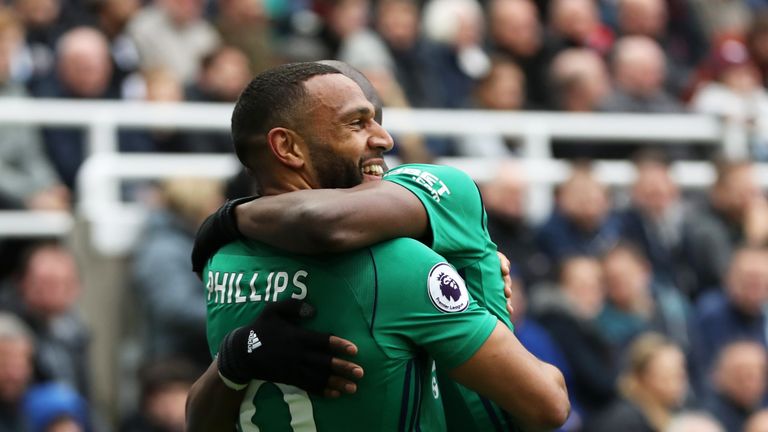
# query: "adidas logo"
{"points": [[253, 342]]}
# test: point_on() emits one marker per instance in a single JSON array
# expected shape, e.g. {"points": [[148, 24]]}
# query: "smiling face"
{"points": [[345, 144]]}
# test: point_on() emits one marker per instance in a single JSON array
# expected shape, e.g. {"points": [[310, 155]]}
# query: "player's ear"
{"points": [[287, 146]]}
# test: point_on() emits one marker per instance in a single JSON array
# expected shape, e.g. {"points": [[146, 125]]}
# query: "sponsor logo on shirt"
{"points": [[425, 179], [446, 289]]}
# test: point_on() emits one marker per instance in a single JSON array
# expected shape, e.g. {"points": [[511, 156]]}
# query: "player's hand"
{"points": [[505, 274], [275, 348], [216, 231]]}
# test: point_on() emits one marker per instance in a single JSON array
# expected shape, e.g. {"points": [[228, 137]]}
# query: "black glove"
{"points": [[274, 348], [216, 231]]}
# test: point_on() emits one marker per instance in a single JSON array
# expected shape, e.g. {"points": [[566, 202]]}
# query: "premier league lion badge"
{"points": [[447, 289]]}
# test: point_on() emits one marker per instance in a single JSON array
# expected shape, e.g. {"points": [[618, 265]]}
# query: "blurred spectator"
{"points": [[409, 147], [47, 287], [457, 26], [757, 422], [736, 212], [739, 381], [16, 370], [722, 17], [653, 386], [171, 295], [113, 18], [757, 43], [244, 24], [173, 34], [639, 69], [84, 71], [502, 89], [505, 199], [694, 421], [576, 24], [736, 313], [568, 313], [161, 86], [341, 20], [630, 307], [224, 74], [635, 304], [164, 387], [397, 22], [582, 222], [737, 93], [27, 179], [579, 80], [515, 31], [55, 407], [655, 221], [45, 22], [650, 18]]}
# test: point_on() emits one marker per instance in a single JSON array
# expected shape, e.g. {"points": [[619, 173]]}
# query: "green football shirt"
{"points": [[458, 231], [398, 301]]}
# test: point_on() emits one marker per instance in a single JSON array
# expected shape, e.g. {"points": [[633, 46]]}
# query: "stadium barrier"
{"points": [[99, 193]]}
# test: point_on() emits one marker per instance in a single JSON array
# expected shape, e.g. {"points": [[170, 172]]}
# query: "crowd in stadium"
{"points": [[651, 300]]}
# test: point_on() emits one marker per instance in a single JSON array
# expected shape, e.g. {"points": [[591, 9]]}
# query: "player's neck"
{"points": [[286, 183]]}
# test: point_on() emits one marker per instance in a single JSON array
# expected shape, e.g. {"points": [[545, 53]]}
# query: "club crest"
{"points": [[446, 289]]}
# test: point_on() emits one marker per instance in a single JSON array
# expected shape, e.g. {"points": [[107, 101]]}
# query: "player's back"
{"points": [[379, 299]]}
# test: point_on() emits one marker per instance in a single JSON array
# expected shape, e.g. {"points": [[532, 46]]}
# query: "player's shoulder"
{"points": [[405, 251], [427, 169]]}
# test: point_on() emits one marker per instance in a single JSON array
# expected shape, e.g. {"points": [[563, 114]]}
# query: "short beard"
{"points": [[334, 172]]}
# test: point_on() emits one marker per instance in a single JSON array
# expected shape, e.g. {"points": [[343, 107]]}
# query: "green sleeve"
{"points": [[424, 301], [454, 206]]}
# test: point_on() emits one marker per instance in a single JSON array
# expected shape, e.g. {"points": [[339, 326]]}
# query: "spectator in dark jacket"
{"points": [[737, 312], [582, 222], [568, 313], [739, 383]]}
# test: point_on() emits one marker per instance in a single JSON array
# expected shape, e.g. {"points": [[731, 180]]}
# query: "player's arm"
{"points": [[211, 405], [507, 373], [323, 220], [288, 354], [214, 405]]}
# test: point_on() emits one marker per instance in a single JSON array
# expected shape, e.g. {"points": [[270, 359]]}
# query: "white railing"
{"points": [[99, 180]]}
